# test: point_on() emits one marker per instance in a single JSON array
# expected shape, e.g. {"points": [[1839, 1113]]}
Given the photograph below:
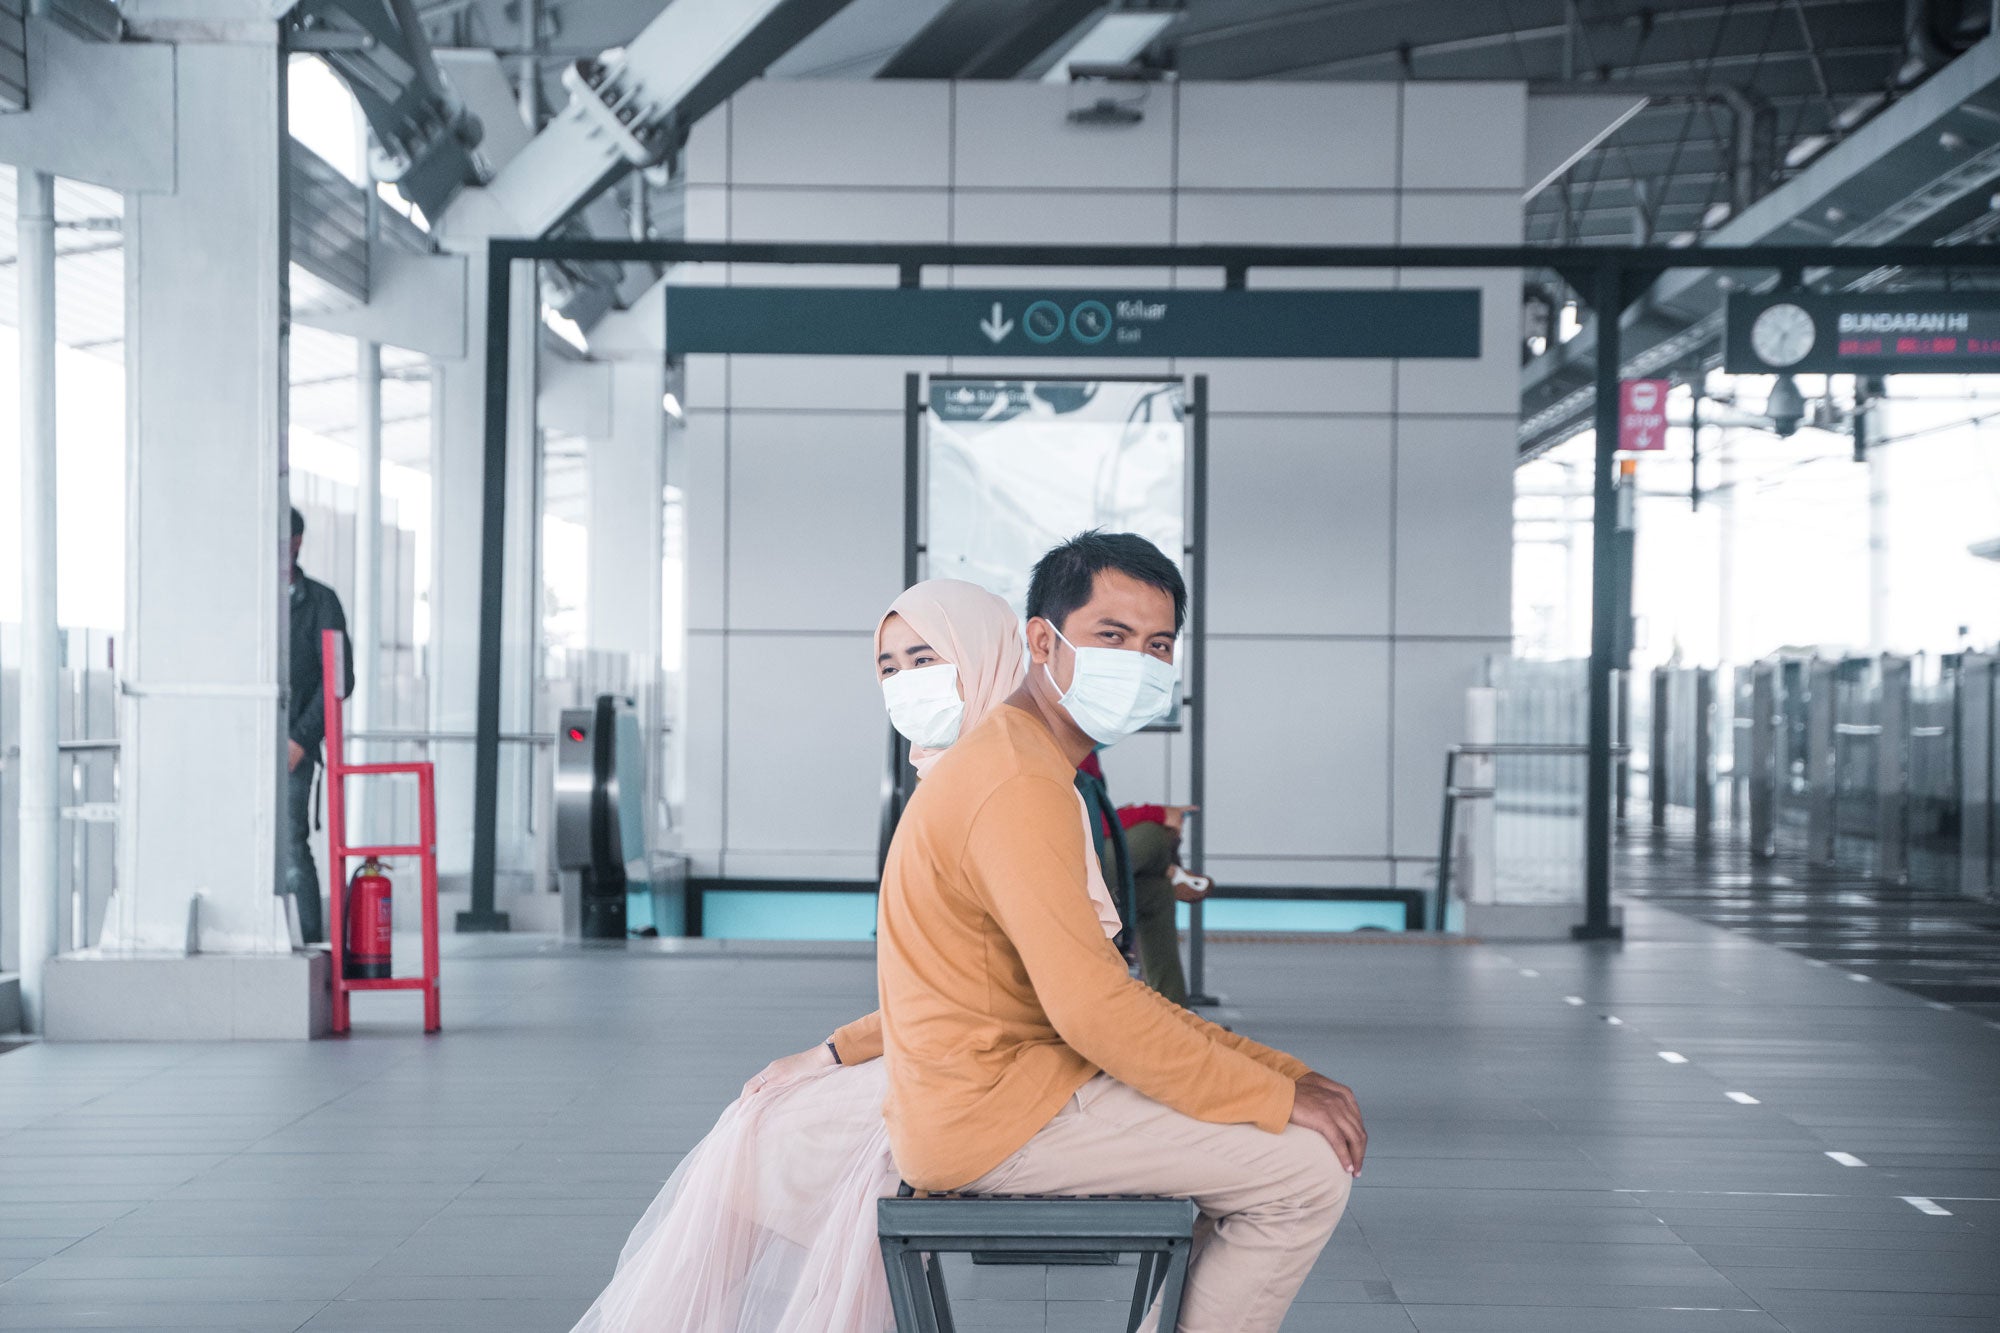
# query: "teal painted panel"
{"points": [[759, 914], [886, 321], [1289, 915]]}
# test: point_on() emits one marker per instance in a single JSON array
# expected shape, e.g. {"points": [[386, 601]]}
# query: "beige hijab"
{"points": [[977, 632]]}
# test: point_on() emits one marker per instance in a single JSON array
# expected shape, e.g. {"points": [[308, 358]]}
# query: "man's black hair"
{"points": [[298, 522], [1066, 576]]}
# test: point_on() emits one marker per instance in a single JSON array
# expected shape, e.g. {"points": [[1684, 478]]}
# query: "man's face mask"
{"points": [[1115, 692]]}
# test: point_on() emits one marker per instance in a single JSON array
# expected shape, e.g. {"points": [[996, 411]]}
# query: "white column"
{"points": [[41, 647], [1881, 555], [365, 626], [458, 403], [1726, 498], [206, 505], [625, 478]]}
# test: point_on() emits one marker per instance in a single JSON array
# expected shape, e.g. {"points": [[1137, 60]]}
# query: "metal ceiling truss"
{"points": [[1920, 170], [425, 137]]}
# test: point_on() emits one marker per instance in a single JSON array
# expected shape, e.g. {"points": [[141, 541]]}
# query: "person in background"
{"points": [[1141, 857], [1160, 885], [315, 608]]}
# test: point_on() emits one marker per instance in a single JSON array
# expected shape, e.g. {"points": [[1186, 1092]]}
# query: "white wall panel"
{"points": [[1431, 680], [704, 474], [1251, 386], [1454, 525], [704, 381], [1318, 217], [824, 383], [1072, 217], [1494, 383], [705, 159], [705, 214], [840, 132], [771, 214], [1464, 135], [859, 867], [815, 520], [1296, 748], [1334, 136], [1299, 525], [1139, 770], [703, 738], [1019, 134], [1490, 384], [1276, 872], [806, 743], [1064, 276], [1311, 492], [1314, 385]]}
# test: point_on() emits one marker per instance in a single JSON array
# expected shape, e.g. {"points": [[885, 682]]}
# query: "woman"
{"points": [[768, 1226]]}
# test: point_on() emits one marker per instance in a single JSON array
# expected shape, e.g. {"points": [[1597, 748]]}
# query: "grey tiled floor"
{"points": [[1534, 1166]]}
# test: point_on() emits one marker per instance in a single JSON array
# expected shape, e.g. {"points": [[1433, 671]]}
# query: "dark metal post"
{"points": [[1704, 754], [893, 796], [1608, 296], [1764, 740], [492, 554], [1659, 770], [1196, 682]]}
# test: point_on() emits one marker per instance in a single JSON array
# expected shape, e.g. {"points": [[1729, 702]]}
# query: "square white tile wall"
{"points": [[1360, 510]]}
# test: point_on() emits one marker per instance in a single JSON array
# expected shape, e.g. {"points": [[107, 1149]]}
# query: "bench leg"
{"points": [[1143, 1288], [909, 1296], [1173, 1275], [940, 1299]]}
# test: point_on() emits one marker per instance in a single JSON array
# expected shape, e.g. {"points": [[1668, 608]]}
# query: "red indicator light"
{"points": [[576, 733]]}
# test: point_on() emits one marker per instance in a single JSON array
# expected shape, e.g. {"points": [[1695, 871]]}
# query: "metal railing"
{"points": [[1456, 793], [1886, 766]]}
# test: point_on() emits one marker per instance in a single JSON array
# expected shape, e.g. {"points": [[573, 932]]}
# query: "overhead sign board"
{"points": [[1780, 332], [906, 321], [1642, 414]]}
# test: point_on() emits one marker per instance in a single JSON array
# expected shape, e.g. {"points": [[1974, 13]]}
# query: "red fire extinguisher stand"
{"points": [[339, 852]]}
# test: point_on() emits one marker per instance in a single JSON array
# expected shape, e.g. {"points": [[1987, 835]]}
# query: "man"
{"points": [[1022, 1058], [315, 608]]}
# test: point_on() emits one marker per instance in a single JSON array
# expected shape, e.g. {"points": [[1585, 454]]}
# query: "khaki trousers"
{"points": [[1273, 1199]]}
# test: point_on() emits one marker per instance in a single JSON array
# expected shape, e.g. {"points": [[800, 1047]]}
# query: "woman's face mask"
{"points": [[924, 705]]}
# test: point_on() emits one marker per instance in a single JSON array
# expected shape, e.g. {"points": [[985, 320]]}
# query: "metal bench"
{"points": [[1159, 1230]]}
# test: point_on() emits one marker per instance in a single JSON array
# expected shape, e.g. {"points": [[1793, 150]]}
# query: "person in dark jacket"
{"points": [[315, 608]]}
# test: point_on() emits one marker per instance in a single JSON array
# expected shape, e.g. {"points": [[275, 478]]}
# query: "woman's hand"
{"points": [[786, 1068]]}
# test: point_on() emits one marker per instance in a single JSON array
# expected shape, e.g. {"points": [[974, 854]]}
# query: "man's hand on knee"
{"points": [[1329, 1110]]}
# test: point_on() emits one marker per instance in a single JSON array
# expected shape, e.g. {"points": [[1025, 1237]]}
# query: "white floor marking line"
{"points": [[1572, 999], [1856, 976], [1924, 1205], [1846, 1159], [1673, 1057], [1817, 962], [1529, 972], [1742, 1194], [1939, 1004], [1742, 1099], [1617, 1022]]}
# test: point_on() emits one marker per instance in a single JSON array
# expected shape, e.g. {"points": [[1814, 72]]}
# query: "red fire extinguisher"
{"points": [[369, 922]]}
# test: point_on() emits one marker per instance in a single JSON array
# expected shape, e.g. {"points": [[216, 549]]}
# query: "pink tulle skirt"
{"points": [[768, 1226]]}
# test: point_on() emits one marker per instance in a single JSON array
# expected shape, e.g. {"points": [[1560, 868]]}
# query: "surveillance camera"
{"points": [[1786, 407]]}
